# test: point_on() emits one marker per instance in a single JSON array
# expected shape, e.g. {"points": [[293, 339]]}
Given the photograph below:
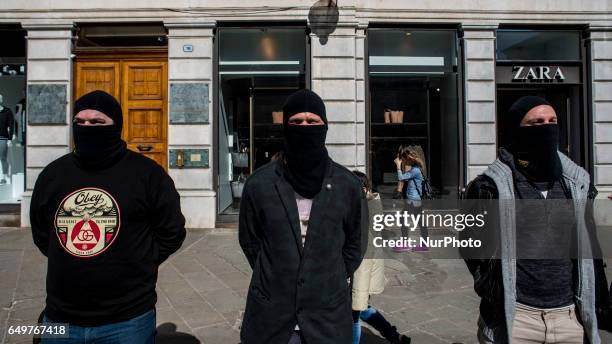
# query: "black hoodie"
{"points": [[105, 217], [104, 270]]}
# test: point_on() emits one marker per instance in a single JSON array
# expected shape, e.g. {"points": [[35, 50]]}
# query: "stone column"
{"points": [[190, 65], [334, 78], [49, 98], [360, 95], [601, 76], [481, 134]]}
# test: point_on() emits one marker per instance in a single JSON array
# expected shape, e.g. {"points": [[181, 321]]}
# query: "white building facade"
{"points": [[203, 83]]}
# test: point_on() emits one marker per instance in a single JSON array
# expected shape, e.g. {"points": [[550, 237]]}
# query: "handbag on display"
{"points": [[241, 158], [397, 116], [277, 117]]}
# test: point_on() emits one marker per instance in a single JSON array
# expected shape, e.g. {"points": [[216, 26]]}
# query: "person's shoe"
{"points": [[421, 249], [403, 248], [3, 181], [404, 340]]}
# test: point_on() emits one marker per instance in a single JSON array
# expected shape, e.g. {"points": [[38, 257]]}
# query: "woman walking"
{"points": [[410, 171]]}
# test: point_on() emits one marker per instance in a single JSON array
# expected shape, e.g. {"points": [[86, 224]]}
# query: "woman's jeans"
{"points": [[138, 330], [414, 207]]}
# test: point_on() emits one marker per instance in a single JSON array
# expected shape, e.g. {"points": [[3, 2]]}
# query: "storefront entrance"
{"points": [[413, 101], [12, 116], [258, 69], [548, 64]]}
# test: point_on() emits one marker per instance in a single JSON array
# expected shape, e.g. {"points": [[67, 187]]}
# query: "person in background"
{"points": [[409, 170], [369, 279]]}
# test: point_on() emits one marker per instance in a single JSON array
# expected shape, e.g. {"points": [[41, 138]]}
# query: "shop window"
{"points": [[545, 64], [258, 69], [413, 84], [12, 115], [121, 35], [533, 45]]}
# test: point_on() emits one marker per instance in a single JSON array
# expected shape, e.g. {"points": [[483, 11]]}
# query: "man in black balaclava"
{"points": [[530, 296], [105, 217], [301, 224], [533, 128], [96, 129]]}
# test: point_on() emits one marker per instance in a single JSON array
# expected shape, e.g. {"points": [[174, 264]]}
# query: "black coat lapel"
{"points": [[319, 207], [287, 196]]}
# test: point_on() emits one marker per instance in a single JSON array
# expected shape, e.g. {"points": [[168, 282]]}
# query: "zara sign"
{"points": [[537, 73]]}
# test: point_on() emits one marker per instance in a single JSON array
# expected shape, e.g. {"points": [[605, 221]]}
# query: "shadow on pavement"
{"points": [[166, 334]]}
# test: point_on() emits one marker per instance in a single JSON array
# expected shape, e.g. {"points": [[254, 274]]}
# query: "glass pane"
{"points": [[12, 137], [258, 69], [527, 45], [417, 111], [121, 35], [250, 133], [409, 51], [264, 49]]}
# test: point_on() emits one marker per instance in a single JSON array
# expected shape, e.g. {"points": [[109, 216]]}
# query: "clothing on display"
{"points": [[7, 125]]}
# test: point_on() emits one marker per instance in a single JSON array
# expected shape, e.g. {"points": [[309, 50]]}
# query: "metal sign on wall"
{"points": [[538, 74]]}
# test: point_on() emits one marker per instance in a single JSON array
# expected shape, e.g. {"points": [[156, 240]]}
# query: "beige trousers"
{"points": [[542, 326]]}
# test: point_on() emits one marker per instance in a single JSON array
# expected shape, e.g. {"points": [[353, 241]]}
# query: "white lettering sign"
{"points": [[537, 73]]}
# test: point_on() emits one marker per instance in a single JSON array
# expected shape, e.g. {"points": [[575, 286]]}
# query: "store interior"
{"points": [[12, 115]]}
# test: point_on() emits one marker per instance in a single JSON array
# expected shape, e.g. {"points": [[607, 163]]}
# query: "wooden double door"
{"points": [[140, 85]]}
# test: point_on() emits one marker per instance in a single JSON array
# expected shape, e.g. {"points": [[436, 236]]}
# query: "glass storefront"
{"points": [[413, 100], [545, 63], [258, 69], [12, 114]]}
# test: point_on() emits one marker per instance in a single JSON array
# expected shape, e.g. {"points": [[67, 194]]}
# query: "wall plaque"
{"points": [[189, 103], [46, 104]]}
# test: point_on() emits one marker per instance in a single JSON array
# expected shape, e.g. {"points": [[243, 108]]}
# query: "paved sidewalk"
{"points": [[202, 292]]}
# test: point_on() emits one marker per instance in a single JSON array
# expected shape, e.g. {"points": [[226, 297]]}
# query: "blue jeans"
{"points": [[138, 330]]}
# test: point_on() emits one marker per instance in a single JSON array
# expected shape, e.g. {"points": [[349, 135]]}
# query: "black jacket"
{"points": [[294, 285], [7, 124], [487, 273], [105, 232]]}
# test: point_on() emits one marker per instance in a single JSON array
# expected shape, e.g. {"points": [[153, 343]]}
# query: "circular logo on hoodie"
{"points": [[87, 222]]}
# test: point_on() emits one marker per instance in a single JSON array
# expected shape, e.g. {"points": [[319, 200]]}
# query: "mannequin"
{"points": [[7, 122], [20, 113]]}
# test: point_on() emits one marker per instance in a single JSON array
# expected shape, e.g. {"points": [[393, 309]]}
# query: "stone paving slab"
{"points": [[202, 291]]}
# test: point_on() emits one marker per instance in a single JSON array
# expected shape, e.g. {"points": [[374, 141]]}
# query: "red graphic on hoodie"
{"points": [[87, 222]]}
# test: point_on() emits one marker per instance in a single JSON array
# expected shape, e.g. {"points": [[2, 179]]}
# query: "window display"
{"points": [[12, 116], [414, 104], [255, 78]]}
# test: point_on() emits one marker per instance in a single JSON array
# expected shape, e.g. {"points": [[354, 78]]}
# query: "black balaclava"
{"points": [[97, 146], [305, 153], [535, 148]]}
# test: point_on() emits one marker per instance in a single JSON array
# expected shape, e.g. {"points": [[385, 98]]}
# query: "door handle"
{"points": [[144, 148]]}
